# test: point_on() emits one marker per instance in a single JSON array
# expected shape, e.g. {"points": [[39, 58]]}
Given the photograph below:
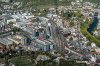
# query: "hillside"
{"points": [[48, 3], [44, 3]]}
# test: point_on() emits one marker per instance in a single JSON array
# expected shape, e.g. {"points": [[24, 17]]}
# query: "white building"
{"points": [[5, 0]]}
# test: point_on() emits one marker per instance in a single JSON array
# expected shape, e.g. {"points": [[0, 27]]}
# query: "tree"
{"points": [[6, 60], [15, 6], [71, 24], [11, 24], [15, 29]]}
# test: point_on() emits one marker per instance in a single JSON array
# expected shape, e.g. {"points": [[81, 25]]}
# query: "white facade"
{"points": [[11, 20]]}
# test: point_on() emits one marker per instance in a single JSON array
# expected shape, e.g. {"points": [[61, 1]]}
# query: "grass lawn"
{"points": [[22, 61], [1, 60]]}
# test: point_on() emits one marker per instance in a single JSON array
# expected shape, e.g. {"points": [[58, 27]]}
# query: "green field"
{"points": [[22, 61], [89, 36], [44, 3]]}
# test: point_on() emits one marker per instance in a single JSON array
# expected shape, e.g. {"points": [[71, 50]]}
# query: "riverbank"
{"points": [[90, 37]]}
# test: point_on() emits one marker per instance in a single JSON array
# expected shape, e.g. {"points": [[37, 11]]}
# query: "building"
{"points": [[5, 0], [18, 39], [8, 19], [5, 41], [43, 45]]}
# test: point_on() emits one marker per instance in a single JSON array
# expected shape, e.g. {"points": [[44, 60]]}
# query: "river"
{"points": [[94, 23]]}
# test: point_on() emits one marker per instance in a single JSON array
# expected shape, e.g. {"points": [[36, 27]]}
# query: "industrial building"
{"points": [[43, 45]]}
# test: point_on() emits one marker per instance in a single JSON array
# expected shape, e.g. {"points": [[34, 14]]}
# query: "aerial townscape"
{"points": [[49, 32]]}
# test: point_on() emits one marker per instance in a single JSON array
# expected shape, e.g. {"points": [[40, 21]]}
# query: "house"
{"points": [[98, 61], [93, 45], [2, 47], [93, 59], [5, 43], [42, 58], [97, 50]]}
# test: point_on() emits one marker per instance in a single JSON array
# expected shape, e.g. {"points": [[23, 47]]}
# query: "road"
{"points": [[73, 52]]}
